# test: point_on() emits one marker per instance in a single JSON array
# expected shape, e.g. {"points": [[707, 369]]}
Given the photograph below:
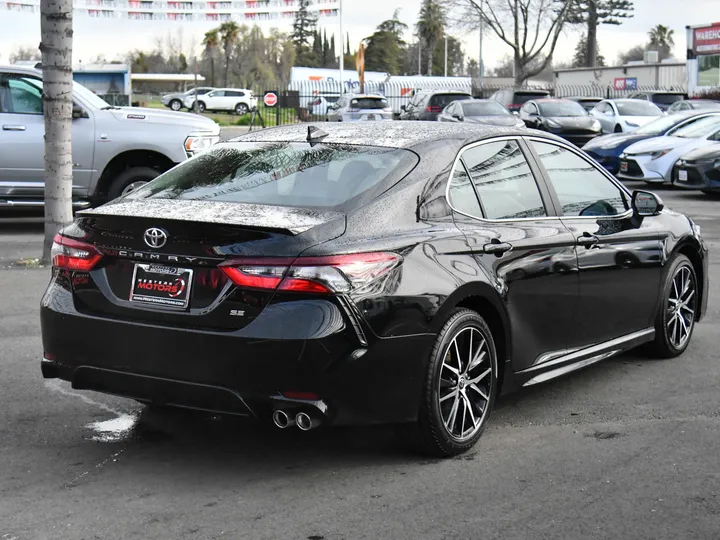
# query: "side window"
{"points": [[462, 194], [526, 108], [20, 96], [581, 189], [504, 181], [715, 136], [218, 93], [450, 109]]}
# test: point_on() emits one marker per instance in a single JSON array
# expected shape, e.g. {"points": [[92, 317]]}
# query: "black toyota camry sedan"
{"points": [[404, 273]]}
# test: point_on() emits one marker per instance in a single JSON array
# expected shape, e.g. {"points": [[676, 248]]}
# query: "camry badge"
{"points": [[155, 238]]}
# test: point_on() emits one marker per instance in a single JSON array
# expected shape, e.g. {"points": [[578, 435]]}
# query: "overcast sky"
{"points": [[115, 38]]}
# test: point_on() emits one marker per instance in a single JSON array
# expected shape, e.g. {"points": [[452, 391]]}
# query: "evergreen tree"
{"points": [[386, 49], [302, 34], [325, 50], [592, 13], [431, 28], [317, 49], [580, 59], [333, 55]]}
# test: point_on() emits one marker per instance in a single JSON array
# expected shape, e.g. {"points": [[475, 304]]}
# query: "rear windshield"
{"points": [[561, 108], [484, 108], [327, 176], [667, 99], [637, 108], [368, 103], [523, 97], [443, 100]]}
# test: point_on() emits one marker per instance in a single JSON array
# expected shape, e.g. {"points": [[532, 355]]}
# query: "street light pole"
{"points": [[481, 66], [342, 47]]}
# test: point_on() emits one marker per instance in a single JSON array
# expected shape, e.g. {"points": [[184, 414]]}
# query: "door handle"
{"points": [[588, 240], [8, 127], [497, 248]]}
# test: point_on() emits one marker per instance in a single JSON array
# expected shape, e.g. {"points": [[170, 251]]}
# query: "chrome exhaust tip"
{"points": [[305, 422], [282, 420]]}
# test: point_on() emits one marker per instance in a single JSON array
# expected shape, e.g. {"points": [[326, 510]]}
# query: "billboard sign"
{"points": [[706, 40]]}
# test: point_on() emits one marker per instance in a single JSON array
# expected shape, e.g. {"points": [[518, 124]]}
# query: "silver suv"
{"points": [[115, 149]]}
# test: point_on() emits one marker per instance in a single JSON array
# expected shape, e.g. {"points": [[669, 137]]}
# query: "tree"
{"points": [[663, 39], [229, 32], [431, 28], [303, 32], [592, 13], [56, 35], [456, 57], [531, 28], [25, 54], [581, 60], [634, 54], [385, 49], [472, 69], [182, 63], [211, 42]]}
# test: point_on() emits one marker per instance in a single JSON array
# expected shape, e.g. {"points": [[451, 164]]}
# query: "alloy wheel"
{"points": [[176, 105], [465, 384], [681, 306]]}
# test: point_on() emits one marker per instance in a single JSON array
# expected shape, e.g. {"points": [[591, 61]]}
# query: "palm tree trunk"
{"points": [[56, 48], [431, 51], [212, 70]]}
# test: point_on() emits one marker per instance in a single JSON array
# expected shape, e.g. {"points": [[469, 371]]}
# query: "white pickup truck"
{"points": [[115, 149]]}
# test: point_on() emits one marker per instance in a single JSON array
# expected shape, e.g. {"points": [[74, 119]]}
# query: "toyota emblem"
{"points": [[155, 238]]}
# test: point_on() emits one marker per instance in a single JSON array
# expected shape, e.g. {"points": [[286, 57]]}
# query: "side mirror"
{"points": [[403, 108], [457, 117], [79, 112], [646, 204]]}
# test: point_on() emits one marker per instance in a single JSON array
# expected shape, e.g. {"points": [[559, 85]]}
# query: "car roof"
{"points": [[550, 100], [578, 98], [448, 91], [386, 134], [27, 70], [355, 96]]}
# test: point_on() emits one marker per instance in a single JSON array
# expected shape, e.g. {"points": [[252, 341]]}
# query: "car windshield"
{"points": [[637, 108], [443, 100], [699, 129], [79, 90], [660, 126], [705, 104], [667, 99], [368, 103], [561, 108], [484, 108], [327, 176]]}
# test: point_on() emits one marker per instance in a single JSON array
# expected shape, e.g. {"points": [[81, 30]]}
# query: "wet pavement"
{"points": [[624, 449]]}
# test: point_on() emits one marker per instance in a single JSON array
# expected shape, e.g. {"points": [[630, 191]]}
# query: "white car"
{"points": [[652, 160], [356, 107], [238, 100], [624, 115]]}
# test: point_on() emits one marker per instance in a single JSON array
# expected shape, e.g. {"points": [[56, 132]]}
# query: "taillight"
{"points": [[433, 109], [331, 274], [73, 254]]}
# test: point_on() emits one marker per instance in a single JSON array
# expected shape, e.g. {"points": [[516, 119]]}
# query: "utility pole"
{"points": [[342, 48], [481, 65], [446, 45], [195, 103]]}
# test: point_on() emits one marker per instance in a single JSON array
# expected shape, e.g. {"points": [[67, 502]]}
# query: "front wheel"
{"points": [[459, 389], [130, 180], [675, 321], [176, 105], [201, 107]]}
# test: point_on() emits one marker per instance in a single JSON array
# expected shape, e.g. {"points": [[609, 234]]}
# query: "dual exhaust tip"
{"points": [[302, 420]]}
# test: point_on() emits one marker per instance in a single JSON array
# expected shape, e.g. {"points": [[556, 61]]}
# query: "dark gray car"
{"points": [[428, 105], [479, 111]]}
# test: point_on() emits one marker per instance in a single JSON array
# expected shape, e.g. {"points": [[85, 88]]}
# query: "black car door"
{"points": [[619, 256], [520, 246]]}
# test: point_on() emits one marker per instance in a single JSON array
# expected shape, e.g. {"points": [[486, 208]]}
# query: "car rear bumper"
{"points": [[234, 372]]}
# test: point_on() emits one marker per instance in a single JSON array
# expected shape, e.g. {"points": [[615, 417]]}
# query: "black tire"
{"points": [[201, 107], [176, 105], [241, 109], [664, 346], [618, 129], [130, 176], [430, 434]]}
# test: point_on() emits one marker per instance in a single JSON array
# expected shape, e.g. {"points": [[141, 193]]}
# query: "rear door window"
{"points": [[504, 181], [442, 100]]}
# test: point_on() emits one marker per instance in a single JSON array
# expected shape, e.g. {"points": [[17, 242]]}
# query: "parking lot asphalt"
{"points": [[625, 449]]}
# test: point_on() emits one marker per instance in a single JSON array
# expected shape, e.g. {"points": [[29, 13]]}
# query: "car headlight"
{"points": [[552, 124], [631, 124], [199, 143], [659, 153], [596, 125]]}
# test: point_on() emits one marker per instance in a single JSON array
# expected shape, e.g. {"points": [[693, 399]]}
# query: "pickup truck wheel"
{"points": [[241, 109], [130, 180], [176, 105], [201, 107]]}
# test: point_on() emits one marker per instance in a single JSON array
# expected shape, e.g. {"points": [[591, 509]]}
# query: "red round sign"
{"points": [[270, 99]]}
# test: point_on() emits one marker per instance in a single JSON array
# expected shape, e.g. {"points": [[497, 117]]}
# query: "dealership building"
{"points": [[703, 58]]}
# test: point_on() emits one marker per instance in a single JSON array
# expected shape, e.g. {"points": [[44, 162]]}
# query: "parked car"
{"points": [[588, 103], [354, 107], [606, 149], [176, 101], [428, 105], [237, 100], [624, 115], [320, 104], [479, 111], [662, 99], [114, 149], [699, 169], [693, 105], [652, 160], [514, 98], [562, 117], [385, 272]]}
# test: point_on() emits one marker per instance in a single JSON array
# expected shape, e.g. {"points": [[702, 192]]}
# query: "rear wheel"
{"points": [[459, 389], [130, 180], [201, 107], [675, 320]]}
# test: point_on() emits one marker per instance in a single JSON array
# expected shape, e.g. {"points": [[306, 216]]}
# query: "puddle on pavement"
{"points": [[114, 430]]}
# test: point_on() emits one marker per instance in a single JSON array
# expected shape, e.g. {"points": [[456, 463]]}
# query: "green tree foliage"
{"points": [[580, 58], [662, 39], [229, 32], [303, 35], [431, 28], [456, 58], [182, 63], [386, 50], [211, 41], [591, 13]]}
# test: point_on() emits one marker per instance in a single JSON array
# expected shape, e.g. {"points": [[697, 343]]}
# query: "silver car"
{"points": [[359, 107]]}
